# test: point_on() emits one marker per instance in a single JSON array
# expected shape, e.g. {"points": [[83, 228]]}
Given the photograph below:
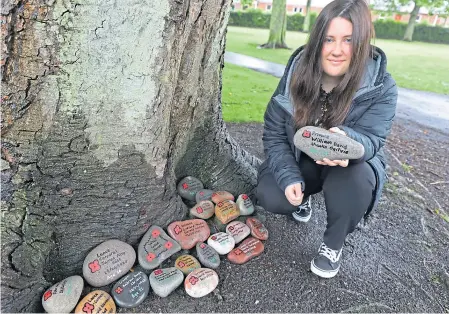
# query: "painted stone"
{"points": [[155, 247], [221, 196], [203, 210], [218, 226], [226, 211], [63, 296], [201, 282], [131, 290], [238, 230], [96, 302], [164, 281], [189, 232], [203, 195], [207, 255], [188, 187], [247, 250], [187, 264], [245, 205], [108, 262], [221, 242], [319, 143], [258, 230]]}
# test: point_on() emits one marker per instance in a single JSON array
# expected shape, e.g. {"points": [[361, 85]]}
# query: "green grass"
{"points": [[415, 65], [246, 93]]}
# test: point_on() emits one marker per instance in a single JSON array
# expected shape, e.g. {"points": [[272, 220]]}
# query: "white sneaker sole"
{"points": [[322, 273], [301, 219]]}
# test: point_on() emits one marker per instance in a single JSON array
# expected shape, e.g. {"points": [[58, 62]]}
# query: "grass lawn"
{"points": [[245, 93], [415, 65]]}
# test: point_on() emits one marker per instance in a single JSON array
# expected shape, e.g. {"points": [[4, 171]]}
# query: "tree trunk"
{"points": [[411, 23], [306, 26], [278, 26], [105, 107]]}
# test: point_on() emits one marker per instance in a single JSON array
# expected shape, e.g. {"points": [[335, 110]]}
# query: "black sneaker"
{"points": [[304, 211], [327, 263]]}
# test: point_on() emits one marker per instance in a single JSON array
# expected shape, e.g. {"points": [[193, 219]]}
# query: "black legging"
{"points": [[348, 193]]}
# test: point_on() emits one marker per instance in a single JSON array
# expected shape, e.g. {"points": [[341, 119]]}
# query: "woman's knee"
{"points": [[356, 178]]}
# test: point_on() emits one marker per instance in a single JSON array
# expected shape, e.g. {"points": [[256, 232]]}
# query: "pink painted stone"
{"points": [[258, 230], [226, 211], [221, 196], [247, 250], [189, 232], [203, 210]]}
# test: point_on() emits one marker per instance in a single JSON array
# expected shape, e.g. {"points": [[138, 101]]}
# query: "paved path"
{"points": [[425, 108]]}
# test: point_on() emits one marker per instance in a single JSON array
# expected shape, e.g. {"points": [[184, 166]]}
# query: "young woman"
{"points": [[337, 81]]}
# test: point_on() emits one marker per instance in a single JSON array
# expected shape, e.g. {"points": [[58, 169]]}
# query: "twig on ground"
{"points": [[439, 182]]}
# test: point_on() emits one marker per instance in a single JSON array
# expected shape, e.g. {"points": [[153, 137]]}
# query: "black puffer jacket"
{"points": [[368, 122]]}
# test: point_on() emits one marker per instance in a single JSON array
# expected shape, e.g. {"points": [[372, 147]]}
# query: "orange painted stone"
{"points": [[258, 230], [97, 301], [221, 196], [226, 211], [203, 210], [189, 232], [247, 250]]}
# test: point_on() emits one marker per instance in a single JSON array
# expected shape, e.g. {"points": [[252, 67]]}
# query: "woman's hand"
{"points": [[327, 162], [294, 194]]}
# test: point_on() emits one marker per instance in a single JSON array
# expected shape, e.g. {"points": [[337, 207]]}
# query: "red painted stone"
{"points": [[258, 230], [189, 232], [247, 250], [221, 196]]}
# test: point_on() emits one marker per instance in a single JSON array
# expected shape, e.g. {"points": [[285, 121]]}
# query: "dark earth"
{"points": [[396, 261]]}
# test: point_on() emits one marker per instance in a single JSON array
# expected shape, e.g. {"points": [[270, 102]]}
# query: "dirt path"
{"points": [[397, 261]]}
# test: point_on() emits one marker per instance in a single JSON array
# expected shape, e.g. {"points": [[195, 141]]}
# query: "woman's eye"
{"points": [[328, 40], [348, 40]]}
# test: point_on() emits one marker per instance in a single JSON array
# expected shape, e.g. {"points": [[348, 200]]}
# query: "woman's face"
{"points": [[337, 48]]}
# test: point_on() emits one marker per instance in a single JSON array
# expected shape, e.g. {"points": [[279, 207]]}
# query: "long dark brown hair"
{"points": [[306, 78]]}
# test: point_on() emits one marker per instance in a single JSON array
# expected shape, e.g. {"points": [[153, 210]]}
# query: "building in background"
{"points": [[299, 6]]}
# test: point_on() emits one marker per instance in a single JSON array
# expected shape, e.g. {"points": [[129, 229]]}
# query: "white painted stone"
{"points": [[238, 230], [201, 282], [221, 242], [63, 296]]}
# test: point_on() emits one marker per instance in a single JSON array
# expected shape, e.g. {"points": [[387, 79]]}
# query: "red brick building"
{"points": [[299, 6]]}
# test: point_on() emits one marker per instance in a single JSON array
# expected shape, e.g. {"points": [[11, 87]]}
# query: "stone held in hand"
{"points": [[245, 205], [131, 290], [238, 230], [221, 196], [201, 282], [96, 302], [63, 296], [155, 247], [226, 211], [258, 230], [203, 210], [247, 250], [187, 264], [189, 232], [108, 262], [164, 281], [221, 242], [188, 187], [207, 255], [203, 195], [319, 143]]}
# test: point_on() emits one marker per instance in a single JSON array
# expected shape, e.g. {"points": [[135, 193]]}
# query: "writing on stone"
{"points": [[135, 282], [190, 228], [157, 244], [161, 275], [323, 141]]}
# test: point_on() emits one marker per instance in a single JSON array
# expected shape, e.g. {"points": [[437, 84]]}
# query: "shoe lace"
{"points": [[332, 255], [304, 206]]}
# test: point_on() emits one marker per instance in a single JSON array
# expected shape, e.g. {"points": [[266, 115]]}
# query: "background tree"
{"points": [[278, 25], [104, 108], [306, 25], [246, 3]]}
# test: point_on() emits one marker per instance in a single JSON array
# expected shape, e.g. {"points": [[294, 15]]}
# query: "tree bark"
{"points": [[306, 26], [278, 26], [105, 106], [411, 23]]}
